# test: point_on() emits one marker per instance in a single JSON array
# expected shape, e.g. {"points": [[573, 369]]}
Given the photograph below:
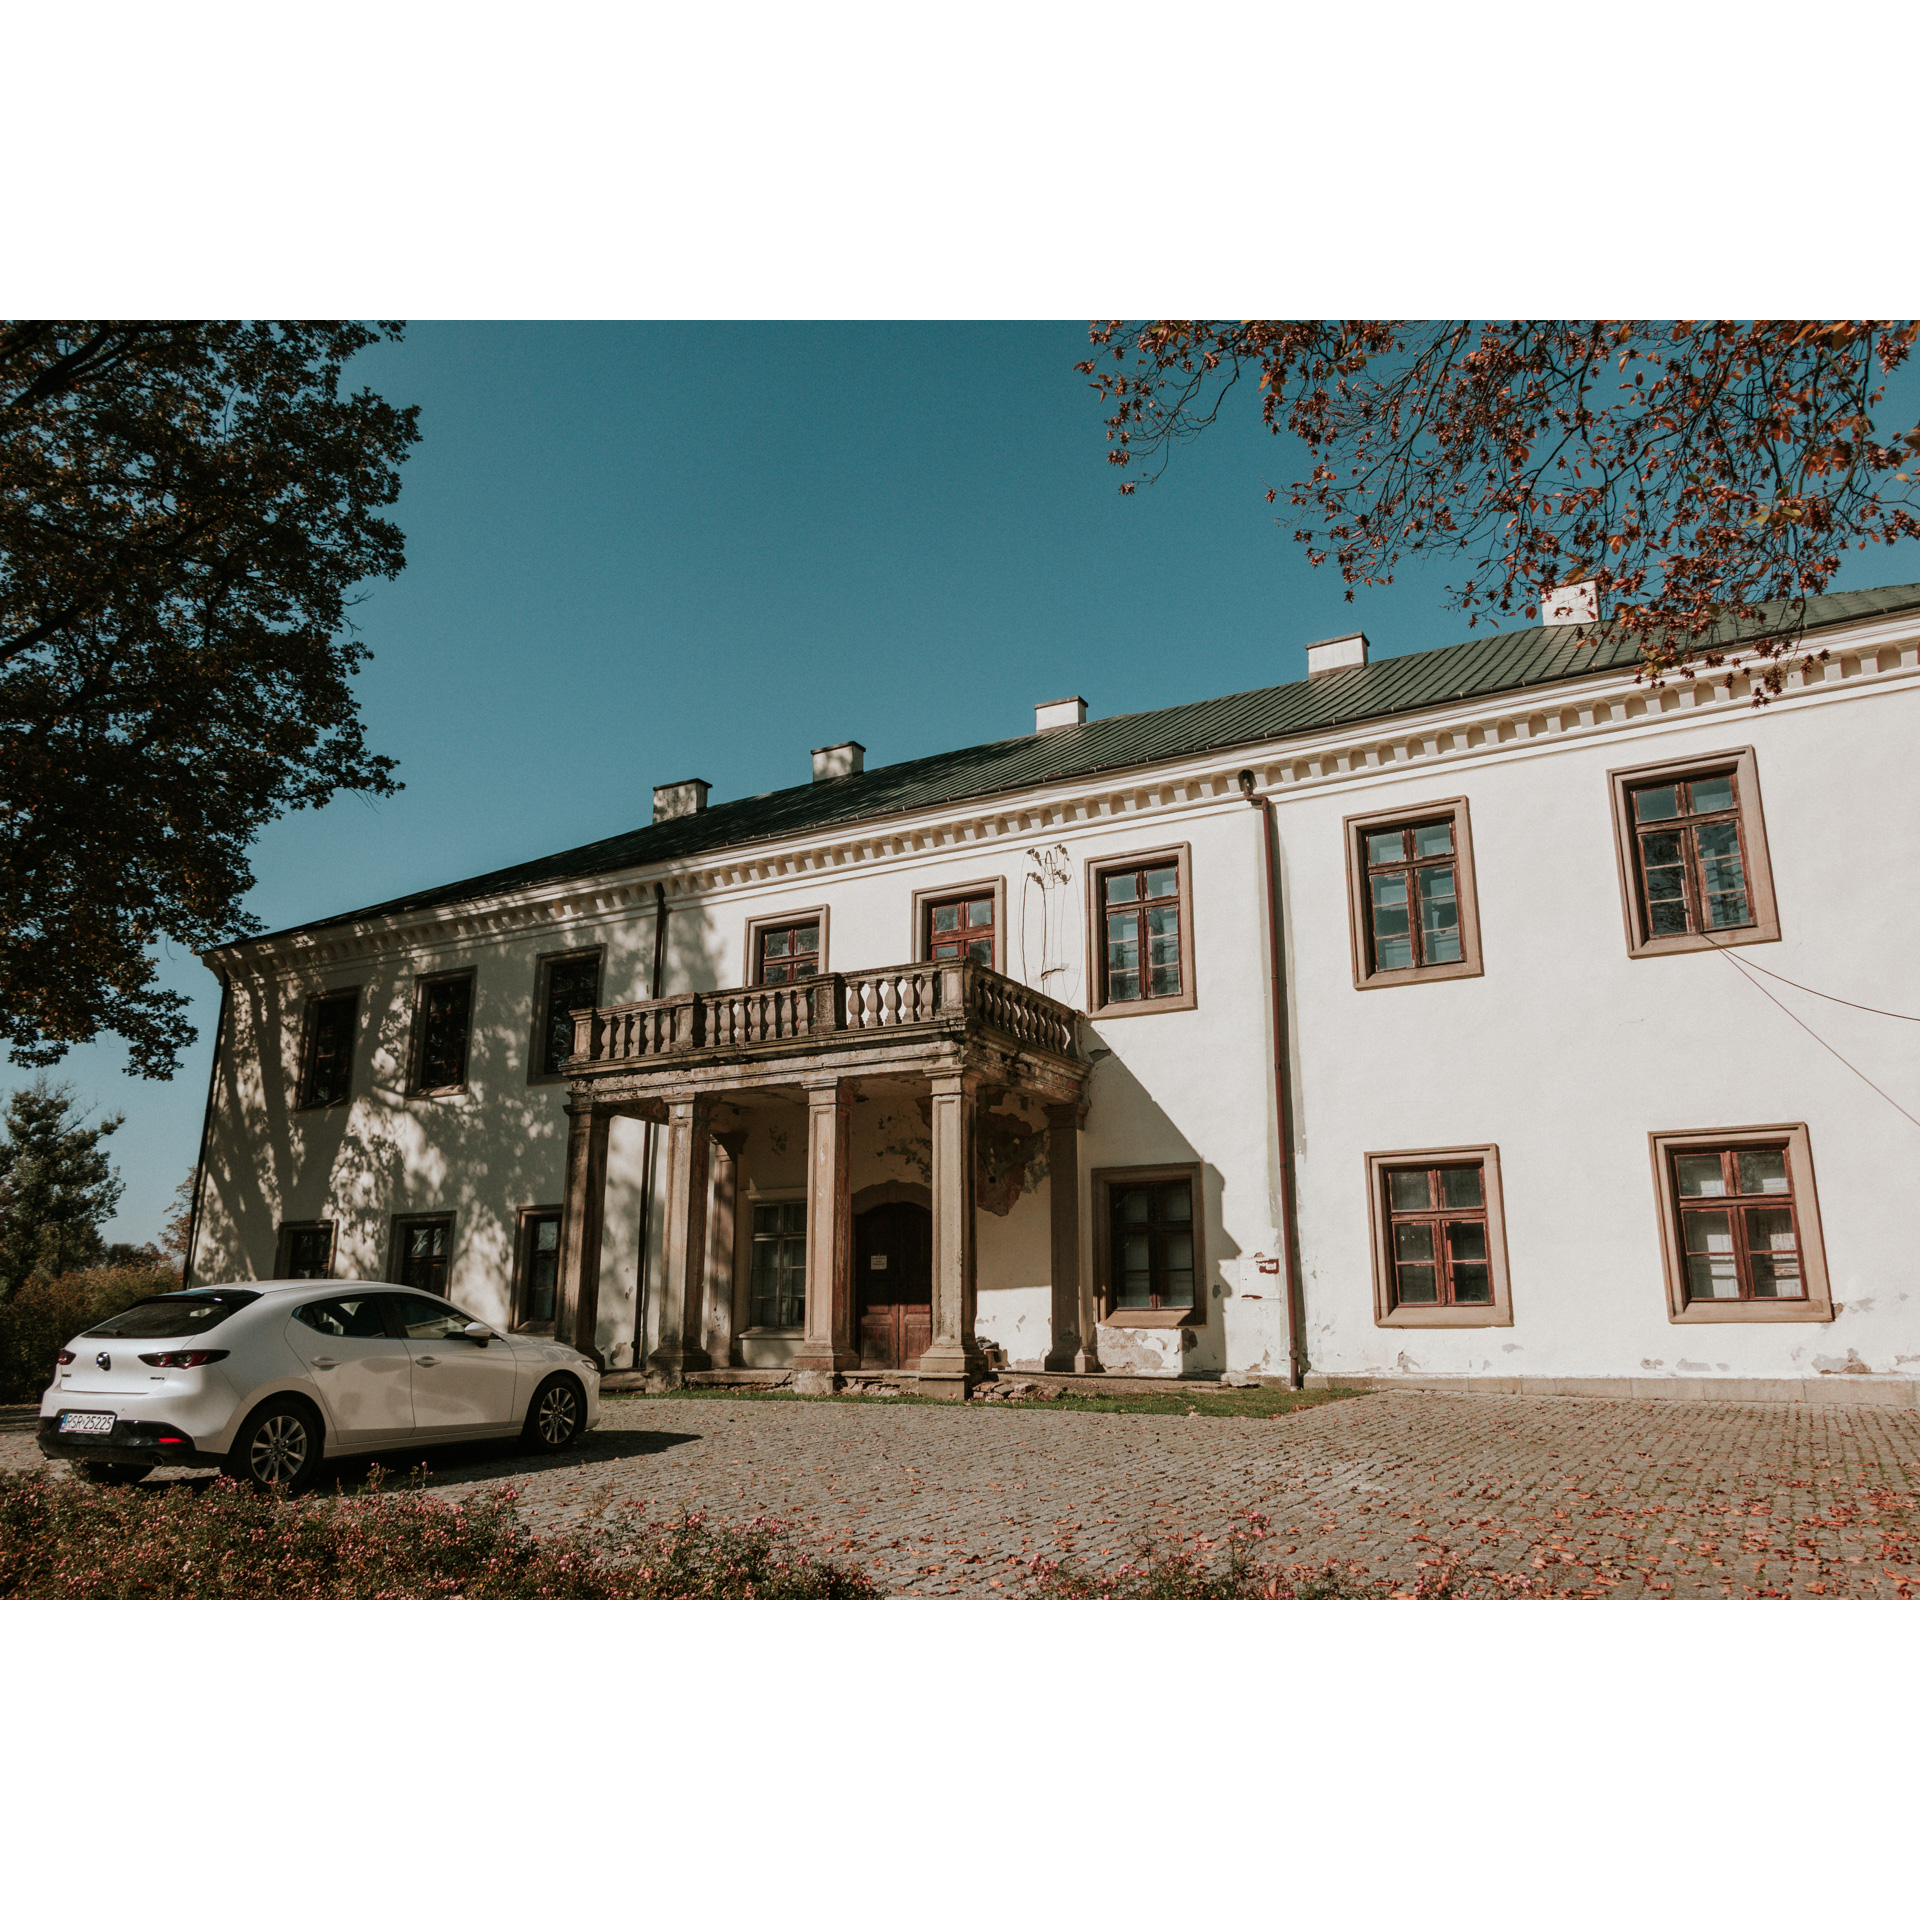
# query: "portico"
{"points": [[944, 1040]]}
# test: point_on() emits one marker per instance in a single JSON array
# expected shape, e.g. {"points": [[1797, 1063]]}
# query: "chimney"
{"points": [[1571, 606], [679, 798], [1336, 656], [1070, 712], [836, 763]]}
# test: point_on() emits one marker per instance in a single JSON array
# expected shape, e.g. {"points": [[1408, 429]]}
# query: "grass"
{"points": [[1239, 1403]]}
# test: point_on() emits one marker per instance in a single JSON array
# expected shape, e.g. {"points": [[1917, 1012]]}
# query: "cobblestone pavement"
{"points": [[1578, 1496]]}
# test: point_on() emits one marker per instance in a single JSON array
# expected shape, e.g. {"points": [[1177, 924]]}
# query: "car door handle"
{"points": [[425, 1360], [321, 1366]]}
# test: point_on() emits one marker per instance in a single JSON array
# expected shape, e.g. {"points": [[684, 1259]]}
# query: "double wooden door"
{"points": [[893, 1283]]}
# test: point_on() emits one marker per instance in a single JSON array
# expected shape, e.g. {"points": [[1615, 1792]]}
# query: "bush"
{"points": [[45, 1313], [62, 1538]]}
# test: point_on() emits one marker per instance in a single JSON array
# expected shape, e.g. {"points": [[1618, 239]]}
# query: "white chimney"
{"points": [[1070, 712], [1335, 656], [679, 798], [835, 763], [1572, 606]]}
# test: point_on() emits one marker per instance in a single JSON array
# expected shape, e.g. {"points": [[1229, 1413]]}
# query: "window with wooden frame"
{"points": [[1414, 912], [792, 947], [537, 1269], [305, 1250], [1140, 933], [1691, 845], [1149, 1265], [961, 925], [567, 982], [1740, 1226], [326, 1048], [1439, 1239], [423, 1251], [442, 1023], [777, 1266]]}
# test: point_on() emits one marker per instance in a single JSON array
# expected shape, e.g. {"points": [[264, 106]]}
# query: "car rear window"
{"points": [[171, 1316]]}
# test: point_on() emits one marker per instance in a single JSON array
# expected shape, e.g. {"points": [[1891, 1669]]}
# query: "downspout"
{"points": [[646, 1151], [206, 1138], [1289, 1217]]}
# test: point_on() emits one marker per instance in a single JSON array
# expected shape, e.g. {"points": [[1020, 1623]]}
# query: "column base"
{"points": [[950, 1373], [1070, 1359], [667, 1367], [819, 1370]]}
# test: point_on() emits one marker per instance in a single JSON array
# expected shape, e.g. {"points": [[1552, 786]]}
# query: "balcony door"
{"points": [[893, 1281]]}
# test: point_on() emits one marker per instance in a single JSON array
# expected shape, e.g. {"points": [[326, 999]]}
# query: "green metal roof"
{"points": [[1502, 662]]}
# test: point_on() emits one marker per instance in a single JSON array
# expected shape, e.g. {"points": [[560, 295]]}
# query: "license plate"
{"points": [[86, 1423]]}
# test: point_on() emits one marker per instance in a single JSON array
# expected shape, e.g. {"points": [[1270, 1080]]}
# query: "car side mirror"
{"points": [[478, 1334]]}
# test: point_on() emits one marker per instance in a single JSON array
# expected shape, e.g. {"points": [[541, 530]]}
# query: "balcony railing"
{"points": [[739, 1019]]}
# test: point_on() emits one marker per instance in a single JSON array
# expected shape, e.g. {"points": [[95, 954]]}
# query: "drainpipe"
{"points": [[646, 1150], [1289, 1218], [206, 1138]]}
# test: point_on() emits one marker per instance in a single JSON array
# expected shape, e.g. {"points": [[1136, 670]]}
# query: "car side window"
{"points": [[359, 1319], [423, 1319]]}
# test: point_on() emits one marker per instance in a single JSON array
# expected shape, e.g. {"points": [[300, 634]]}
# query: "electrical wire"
{"points": [[1818, 995]]}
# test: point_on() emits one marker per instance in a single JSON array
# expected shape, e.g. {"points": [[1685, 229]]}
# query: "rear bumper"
{"points": [[132, 1443]]}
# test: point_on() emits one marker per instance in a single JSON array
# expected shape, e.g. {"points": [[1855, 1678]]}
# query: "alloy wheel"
{"points": [[557, 1416], [279, 1450]]}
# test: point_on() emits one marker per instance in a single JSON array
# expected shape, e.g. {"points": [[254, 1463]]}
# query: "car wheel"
{"points": [[558, 1416], [278, 1448], [111, 1473]]}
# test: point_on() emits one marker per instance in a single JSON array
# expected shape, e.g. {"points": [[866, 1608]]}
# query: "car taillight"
{"points": [[64, 1357], [192, 1357]]}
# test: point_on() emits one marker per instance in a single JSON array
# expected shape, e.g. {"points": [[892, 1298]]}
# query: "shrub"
{"points": [[64, 1539], [45, 1313]]}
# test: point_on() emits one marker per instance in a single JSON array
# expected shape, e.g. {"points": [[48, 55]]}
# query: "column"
{"points": [[1075, 1347], [727, 1149], [827, 1350], [576, 1316], [952, 1361], [683, 1251]]}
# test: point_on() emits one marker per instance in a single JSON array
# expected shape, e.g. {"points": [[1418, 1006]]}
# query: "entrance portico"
{"points": [[946, 1037]]}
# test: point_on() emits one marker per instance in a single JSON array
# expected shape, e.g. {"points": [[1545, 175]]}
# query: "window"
{"points": [[421, 1246], [962, 929], [1692, 850], [1148, 1262], [788, 949], [305, 1251], [443, 1014], [567, 982], [1439, 1239], [539, 1278], [1141, 933], [1739, 1228], [326, 1048], [422, 1320], [346, 1319], [1410, 895], [777, 1286]]}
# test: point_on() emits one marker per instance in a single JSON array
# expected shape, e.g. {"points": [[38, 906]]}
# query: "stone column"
{"points": [[827, 1350], [576, 1317], [952, 1362], [1075, 1346], [720, 1229], [683, 1251]]}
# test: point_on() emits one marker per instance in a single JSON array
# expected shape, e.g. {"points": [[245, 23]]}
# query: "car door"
{"points": [[360, 1366], [457, 1383]]}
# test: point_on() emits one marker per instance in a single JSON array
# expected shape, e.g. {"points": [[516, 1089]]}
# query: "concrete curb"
{"points": [[1821, 1390]]}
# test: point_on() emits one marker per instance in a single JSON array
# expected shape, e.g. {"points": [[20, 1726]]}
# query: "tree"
{"points": [[176, 1227], [1690, 470], [56, 1186], [185, 512]]}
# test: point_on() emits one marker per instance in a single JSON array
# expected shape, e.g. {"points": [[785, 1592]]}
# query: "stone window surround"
{"points": [[542, 970], [417, 1037], [307, 1037], [925, 898], [1497, 1312], [398, 1224], [283, 1245], [1356, 827], [1742, 764], [1798, 1143], [1104, 1180], [524, 1220], [750, 1197], [1093, 869], [790, 917]]}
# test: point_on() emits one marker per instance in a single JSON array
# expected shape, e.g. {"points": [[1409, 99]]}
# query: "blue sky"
{"points": [[645, 552]]}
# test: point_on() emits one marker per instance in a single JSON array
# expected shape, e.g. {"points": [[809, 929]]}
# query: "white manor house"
{"points": [[1478, 1016]]}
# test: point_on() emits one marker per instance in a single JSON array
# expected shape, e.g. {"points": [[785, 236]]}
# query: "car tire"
{"points": [[278, 1448], [111, 1473], [558, 1416]]}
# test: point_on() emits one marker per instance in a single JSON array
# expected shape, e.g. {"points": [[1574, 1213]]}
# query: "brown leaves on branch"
{"points": [[1693, 470]]}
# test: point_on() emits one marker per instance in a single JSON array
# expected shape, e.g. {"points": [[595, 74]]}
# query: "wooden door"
{"points": [[893, 1280]]}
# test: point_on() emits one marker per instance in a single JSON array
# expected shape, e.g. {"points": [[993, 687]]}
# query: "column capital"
{"points": [[827, 1090], [1066, 1113], [697, 1107], [949, 1081]]}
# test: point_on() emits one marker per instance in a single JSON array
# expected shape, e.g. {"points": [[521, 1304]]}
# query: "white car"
{"points": [[267, 1381]]}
